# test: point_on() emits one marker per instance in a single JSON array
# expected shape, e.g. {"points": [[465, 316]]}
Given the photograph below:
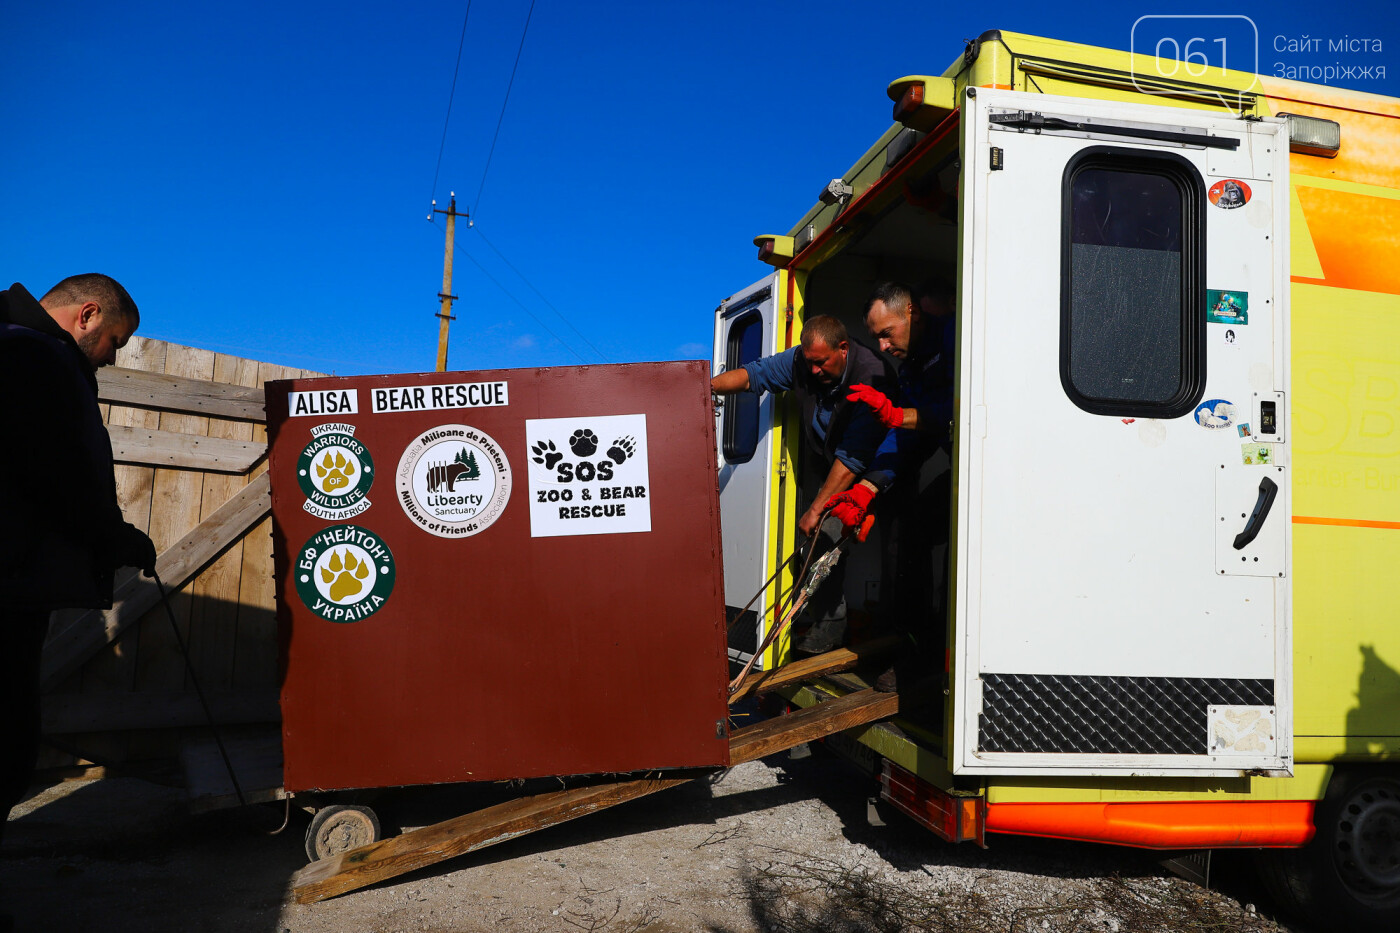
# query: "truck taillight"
{"points": [[909, 103], [953, 818]]}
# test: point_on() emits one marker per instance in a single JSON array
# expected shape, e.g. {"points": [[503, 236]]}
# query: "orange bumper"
{"points": [[1184, 825]]}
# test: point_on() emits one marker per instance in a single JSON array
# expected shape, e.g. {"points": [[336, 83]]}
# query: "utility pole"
{"points": [[445, 315]]}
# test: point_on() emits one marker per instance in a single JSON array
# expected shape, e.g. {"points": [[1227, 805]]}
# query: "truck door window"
{"points": [[1132, 291], [740, 429]]}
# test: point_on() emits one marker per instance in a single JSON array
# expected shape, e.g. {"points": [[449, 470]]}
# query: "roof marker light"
{"points": [[774, 250], [909, 103], [1313, 135]]}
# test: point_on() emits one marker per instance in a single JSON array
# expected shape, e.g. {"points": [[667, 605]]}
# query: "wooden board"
{"points": [[214, 610], [832, 662], [814, 722], [177, 391], [256, 651], [177, 499], [432, 844], [391, 857], [150, 447]]}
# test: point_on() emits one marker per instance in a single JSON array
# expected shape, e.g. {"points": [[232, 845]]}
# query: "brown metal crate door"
{"points": [[535, 588]]}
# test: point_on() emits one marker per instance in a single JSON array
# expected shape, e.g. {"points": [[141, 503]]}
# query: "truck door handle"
{"points": [[1267, 490]]}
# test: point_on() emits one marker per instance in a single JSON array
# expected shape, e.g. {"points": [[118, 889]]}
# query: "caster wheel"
{"points": [[339, 828]]}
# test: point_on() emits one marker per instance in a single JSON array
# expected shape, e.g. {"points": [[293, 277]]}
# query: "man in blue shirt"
{"points": [[842, 436], [912, 462]]}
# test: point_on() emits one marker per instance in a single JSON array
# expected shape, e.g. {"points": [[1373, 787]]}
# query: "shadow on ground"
{"points": [[123, 855]]}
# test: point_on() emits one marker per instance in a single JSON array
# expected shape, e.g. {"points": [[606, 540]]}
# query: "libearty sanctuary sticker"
{"points": [[345, 573], [588, 476], [453, 480], [335, 472]]}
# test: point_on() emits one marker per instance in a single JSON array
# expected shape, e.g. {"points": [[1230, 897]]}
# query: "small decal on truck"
{"points": [[1215, 414], [335, 472], [453, 480], [1257, 454], [345, 573], [1229, 194], [1227, 307], [588, 476]]}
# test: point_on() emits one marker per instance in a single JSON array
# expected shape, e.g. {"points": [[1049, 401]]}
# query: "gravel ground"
{"points": [[773, 845]]}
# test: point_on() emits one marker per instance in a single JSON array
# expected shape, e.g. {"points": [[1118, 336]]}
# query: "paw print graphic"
{"points": [[545, 452], [335, 472], [344, 573], [583, 442], [622, 448]]}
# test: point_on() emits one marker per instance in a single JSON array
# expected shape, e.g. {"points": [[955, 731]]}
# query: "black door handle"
{"points": [[1267, 490]]}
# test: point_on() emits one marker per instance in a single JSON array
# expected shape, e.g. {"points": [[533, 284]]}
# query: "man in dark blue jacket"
{"points": [[61, 529], [842, 436], [912, 463]]}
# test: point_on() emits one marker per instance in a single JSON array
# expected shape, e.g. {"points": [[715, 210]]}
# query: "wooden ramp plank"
{"points": [[389, 858], [821, 665], [432, 844], [814, 722]]}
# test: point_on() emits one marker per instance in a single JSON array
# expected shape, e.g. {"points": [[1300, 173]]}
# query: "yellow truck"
{"points": [[1174, 516]]}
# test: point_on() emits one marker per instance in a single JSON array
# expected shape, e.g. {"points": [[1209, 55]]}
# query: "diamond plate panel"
{"points": [[1106, 715]]}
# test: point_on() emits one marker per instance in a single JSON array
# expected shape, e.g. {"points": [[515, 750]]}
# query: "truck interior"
{"points": [[910, 235]]}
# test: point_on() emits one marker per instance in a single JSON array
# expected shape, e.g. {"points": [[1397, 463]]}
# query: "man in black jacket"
{"points": [[61, 529]]}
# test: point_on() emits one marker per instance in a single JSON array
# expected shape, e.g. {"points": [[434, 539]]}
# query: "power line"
{"points": [[541, 296], [507, 292], [522, 307], [477, 203], [447, 119]]}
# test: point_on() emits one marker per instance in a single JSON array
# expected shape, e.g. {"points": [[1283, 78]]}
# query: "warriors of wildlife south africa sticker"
{"points": [[335, 472]]}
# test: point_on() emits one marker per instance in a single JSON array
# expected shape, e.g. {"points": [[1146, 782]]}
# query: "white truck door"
{"points": [[1123, 527], [744, 331]]}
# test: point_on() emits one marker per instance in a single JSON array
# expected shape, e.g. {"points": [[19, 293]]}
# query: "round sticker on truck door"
{"points": [[1229, 194], [453, 480], [345, 573]]}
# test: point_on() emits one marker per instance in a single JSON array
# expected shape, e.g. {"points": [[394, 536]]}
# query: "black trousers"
{"points": [[23, 632], [921, 584]]}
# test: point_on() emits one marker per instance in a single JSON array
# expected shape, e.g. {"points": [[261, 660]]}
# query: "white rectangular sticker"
{"points": [[324, 402], [433, 398], [588, 476]]}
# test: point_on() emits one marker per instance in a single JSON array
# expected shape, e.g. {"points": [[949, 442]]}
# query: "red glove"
{"points": [[889, 415], [850, 506]]}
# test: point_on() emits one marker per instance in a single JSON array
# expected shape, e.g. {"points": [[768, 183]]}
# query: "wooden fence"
{"points": [[188, 434]]}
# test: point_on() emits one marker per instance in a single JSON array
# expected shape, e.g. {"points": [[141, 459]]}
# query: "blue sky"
{"points": [[259, 174]]}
